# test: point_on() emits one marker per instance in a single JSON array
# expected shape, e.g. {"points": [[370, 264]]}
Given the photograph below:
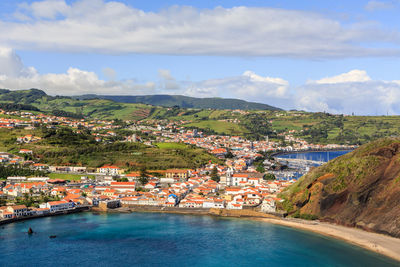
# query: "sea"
{"points": [[157, 239], [314, 159], [323, 156]]}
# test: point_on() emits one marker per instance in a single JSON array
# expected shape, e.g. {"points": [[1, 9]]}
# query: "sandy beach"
{"points": [[379, 243], [383, 244]]}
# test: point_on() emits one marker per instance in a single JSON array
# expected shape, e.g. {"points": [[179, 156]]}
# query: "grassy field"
{"points": [[5, 116], [219, 127], [132, 156], [219, 113], [354, 129], [171, 145], [96, 108], [8, 139], [67, 176], [339, 129], [313, 127]]}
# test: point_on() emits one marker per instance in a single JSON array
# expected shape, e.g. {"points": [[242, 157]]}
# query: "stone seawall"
{"points": [[240, 213], [193, 211], [161, 209], [76, 210]]}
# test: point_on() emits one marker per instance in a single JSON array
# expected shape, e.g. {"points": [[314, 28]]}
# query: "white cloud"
{"points": [[281, 84], [11, 64], [378, 5], [248, 86], [110, 73], [353, 91], [113, 27], [167, 81], [348, 77], [350, 92], [48, 9], [14, 75], [165, 74], [76, 82]]}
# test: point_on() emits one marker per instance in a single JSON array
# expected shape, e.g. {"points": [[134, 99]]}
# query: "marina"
{"points": [[300, 163]]}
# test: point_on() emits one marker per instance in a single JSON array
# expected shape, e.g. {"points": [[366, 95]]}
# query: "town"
{"points": [[243, 179]]}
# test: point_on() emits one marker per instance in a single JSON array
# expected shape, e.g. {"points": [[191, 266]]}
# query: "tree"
{"points": [[143, 180], [269, 176], [229, 155], [260, 168], [214, 174], [143, 172]]}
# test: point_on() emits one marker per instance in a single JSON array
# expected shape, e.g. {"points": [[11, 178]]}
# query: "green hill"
{"points": [[35, 99], [63, 146], [184, 101], [361, 189], [316, 127]]}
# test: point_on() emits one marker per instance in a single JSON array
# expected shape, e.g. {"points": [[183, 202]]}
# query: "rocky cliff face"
{"points": [[361, 188]]}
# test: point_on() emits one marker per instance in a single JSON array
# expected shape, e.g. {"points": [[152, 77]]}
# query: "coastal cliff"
{"points": [[361, 189]]}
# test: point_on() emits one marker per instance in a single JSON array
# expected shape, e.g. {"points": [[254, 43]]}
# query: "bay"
{"points": [[323, 156], [156, 239]]}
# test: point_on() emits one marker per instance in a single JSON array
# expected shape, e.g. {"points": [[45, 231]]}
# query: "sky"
{"points": [[334, 56]]}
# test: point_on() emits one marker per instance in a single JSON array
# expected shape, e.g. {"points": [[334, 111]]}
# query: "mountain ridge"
{"points": [[183, 101]]}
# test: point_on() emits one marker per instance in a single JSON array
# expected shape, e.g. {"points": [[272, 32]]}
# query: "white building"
{"points": [[239, 179], [254, 181], [123, 186], [15, 211], [55, 206], [268, 205], [16, 179], [110, 170], [234, 206], [38, 179], [217, 204]]}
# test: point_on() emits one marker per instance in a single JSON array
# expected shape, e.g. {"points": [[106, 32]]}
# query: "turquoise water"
{"points": [[151, 239], [317, 156]]}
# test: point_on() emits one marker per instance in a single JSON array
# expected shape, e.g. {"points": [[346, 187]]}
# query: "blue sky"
{"points": [[336, 56]]}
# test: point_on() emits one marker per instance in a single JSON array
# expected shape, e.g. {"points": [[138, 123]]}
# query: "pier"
{"points": [[300, 162]]}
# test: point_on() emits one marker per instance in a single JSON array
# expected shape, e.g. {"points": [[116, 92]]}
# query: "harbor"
{"points": [[298, 164]]}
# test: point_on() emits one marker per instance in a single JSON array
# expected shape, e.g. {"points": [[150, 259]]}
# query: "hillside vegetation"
{"points": [[62, 146], [184, 101], [317, 127], [34, 100], [361, 188]]}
